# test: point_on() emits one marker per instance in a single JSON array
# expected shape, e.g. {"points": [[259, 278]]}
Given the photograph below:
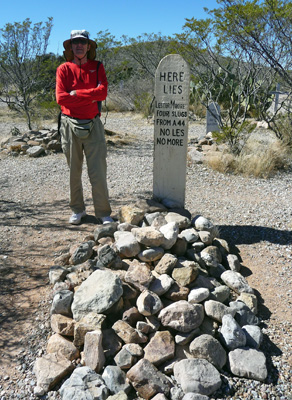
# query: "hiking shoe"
{"points": [[75, 219], [106, 220]]}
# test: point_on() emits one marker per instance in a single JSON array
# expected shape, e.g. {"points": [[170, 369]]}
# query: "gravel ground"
{"points": [[254, 216]]}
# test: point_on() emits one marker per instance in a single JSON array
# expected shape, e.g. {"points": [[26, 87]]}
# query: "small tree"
{"points": [[263, 28], [225, 75], [23, 47]]}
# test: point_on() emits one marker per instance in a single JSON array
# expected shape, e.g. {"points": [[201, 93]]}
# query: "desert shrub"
{"points": [[220, 161], [118, 101], [198, 109], [235, 136], [261, 161], [143, 102], [282, 126], [135, 94], [48, 110]]}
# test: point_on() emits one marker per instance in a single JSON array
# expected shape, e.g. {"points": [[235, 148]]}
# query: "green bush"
{"points": [[143, 103]]}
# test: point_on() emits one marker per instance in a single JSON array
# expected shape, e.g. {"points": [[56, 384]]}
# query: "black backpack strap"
{"points": [[99, 102], [59, 121]]}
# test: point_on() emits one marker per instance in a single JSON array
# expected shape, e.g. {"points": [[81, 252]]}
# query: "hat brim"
{"points": [[68, 53]]}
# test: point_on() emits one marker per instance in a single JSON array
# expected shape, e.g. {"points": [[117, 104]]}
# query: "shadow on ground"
{"points": [[250, 234]]}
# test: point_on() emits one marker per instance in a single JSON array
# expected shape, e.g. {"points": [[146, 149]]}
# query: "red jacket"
{"points": [[89, 89]]}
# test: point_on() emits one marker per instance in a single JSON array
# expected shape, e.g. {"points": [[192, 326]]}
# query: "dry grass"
{"points": [[258, 160], [220, 161]]}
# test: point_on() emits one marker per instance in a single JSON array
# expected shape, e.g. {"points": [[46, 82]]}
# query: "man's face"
{"points": [[80, 47]]}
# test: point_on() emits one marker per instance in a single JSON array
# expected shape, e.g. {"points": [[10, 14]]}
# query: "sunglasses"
{"points": [[79, 41]]}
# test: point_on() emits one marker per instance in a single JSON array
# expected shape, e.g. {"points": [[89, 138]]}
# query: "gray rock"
{"points": [[170, 232], [159, 396], [98, 293], [126, 244], [248, 363], [107, 255], [149, 303], [182, 316], [197, 375], [176, 393], [202, 224], [184, 338], [216, 310], [152, 254], [62, 303], [208, 348], [115, 379], [182, 221], [105, 230], [153, 322], [190, 235], [35, 151], [231, 333], [124, 359], [85, 384], [217, 271], [125, 226], [197, 295], [57, 273], [119, 396], [233, 262], [196, 156], [236, 282], [195, 396], [149, 218], [161, 284], [220, 293], [254, 336], [82, 253], [244, 315]]}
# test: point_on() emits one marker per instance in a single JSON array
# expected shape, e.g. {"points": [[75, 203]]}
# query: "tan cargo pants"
{"points": [[94, 148]]}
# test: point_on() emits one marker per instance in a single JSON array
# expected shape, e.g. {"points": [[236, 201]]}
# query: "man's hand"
{"points": [[73, 93]]}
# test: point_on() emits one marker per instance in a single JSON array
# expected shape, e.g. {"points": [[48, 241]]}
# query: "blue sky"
{"points": [[129, 17]]}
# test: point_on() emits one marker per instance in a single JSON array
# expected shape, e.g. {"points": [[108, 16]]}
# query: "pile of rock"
{"points": [[32, 143], [153, 305], [201, 146]]}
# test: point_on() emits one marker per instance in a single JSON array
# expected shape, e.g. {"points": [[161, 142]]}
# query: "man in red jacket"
{"points": [[81, 84]]}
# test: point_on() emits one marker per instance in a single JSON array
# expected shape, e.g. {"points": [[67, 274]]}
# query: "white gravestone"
{"points": [[171, 109], [213, 118]]}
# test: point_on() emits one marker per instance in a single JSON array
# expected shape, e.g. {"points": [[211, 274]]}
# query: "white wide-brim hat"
{"points": [[68, 53]]}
